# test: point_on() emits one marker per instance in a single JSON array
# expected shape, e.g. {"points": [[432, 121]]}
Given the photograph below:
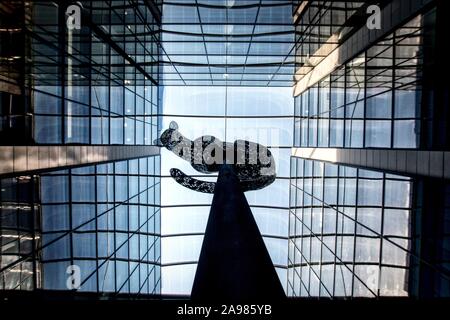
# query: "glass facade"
{"points": [[19, 233], [372, 101], [83, 86], [353, 231], [88, 86], [317, 23], [228, 43], [106, 220], [349, 231]]}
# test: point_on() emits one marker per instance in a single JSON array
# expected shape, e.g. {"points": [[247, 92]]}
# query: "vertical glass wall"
{"points": [[373, 101], [103, 219], [107, 98], [93, 85], [106, 220], [349, 231], [19, 233], [316, 24]]}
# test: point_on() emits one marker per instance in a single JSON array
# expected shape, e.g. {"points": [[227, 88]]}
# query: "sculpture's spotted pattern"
{"points": [[255, 168]]}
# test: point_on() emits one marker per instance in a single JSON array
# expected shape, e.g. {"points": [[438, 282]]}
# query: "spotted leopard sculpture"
{"points": [[252, 163]]}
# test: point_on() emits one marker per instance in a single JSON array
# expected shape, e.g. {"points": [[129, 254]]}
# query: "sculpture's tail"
{"points": [[192, 183], [208, 187]]}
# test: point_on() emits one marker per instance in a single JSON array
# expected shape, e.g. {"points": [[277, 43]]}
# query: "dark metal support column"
{"points": [[234, 263]]}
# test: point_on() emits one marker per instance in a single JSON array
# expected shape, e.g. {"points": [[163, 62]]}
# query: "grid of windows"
{"points": [[96, 85], [373, 101], [105, 219], [316, 22], [19, 233], [349, 231], [107, 97], [227, 42]]}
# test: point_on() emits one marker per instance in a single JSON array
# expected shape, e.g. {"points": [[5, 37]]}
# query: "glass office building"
{"points": [[79, 106], [370, 144], [354, 111]]}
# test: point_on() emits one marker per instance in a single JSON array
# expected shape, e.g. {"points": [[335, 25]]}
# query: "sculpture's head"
{"points": [[170, 138]]}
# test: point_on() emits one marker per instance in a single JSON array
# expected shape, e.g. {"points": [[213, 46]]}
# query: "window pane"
{"points": [[406, 133], [378, 134]]}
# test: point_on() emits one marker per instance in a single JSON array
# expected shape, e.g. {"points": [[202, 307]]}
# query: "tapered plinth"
{"points": [[234, 263]]}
